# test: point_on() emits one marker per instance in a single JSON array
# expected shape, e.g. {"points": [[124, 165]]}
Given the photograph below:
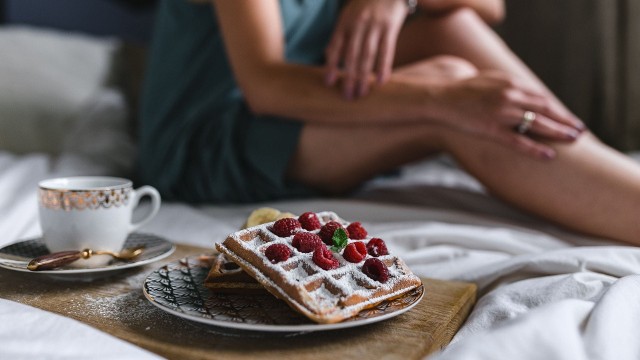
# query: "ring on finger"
{"points": [[527, 120]]}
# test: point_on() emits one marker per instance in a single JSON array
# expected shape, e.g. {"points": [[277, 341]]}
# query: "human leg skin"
{"points": [[588, 187], [462, 34]]}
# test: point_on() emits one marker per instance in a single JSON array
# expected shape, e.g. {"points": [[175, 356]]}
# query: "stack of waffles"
{"points": [[319, 264]]}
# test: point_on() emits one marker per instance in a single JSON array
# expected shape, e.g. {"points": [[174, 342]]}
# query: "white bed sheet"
{"points": [[543, 293]]}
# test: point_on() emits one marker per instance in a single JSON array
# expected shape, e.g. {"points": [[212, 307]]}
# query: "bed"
{"points": [[543, 292]]}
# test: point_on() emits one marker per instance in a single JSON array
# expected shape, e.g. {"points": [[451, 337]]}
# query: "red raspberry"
{"points": [[306, 242], [286, 227], [323, 257], [309, 221], [326, 233], [376, 270], [277, 252], [377, 247], [355, 252], [356, 231]]}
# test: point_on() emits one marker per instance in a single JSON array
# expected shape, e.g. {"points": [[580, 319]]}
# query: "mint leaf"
{"points": [[340, 240]]}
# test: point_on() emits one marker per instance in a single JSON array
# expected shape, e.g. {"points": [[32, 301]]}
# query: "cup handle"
{"points": [[138, 194]]}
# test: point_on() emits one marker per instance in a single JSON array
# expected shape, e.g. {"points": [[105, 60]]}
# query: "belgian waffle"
{"points": [[324, 296]]}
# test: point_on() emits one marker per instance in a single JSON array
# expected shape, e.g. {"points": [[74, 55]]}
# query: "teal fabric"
{"points": [[199, 142]]}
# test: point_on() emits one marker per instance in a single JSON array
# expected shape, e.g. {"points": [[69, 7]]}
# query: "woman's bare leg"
{"points": [[589, 187], [462, 34]]}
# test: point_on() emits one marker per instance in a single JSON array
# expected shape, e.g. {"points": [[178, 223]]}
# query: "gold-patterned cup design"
{"points": [[91, 212]]}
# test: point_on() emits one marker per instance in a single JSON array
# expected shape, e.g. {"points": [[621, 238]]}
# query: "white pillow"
{"points": [[46, 79]]}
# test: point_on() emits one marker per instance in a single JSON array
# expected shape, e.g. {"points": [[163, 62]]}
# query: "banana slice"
{"points": [[261, 216]]}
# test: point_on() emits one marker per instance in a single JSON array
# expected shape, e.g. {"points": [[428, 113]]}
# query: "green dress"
{"points": [[199, 142]]}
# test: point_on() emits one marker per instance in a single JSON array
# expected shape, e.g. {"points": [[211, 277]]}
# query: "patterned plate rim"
{"points": [[116, 266], [271, 327]]}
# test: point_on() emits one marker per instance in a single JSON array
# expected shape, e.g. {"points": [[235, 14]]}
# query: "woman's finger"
{"points": [[545, 127], [352, 54], [526, 145], [333, 54], [386, 54], [367, 60], [543, 104]]}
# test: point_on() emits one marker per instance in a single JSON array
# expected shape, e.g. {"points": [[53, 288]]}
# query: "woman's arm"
{"points": [[254, 42], [489, 105]]}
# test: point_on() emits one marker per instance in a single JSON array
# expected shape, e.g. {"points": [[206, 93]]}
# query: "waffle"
{"points": [[226, 276], [324, 296]]}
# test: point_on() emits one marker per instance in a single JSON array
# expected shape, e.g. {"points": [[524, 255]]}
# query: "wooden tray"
{"points": [[117, 306]]}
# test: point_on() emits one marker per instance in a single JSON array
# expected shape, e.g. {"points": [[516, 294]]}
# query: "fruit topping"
{"points": [[355, 252], [376, 270], [327, 231], [277, 253], [323, 257], [306, 242], [309, 221], [376, 247], [286, 227], [356, 231]]}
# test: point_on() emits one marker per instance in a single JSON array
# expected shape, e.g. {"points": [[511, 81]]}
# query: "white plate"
{"points": [[16, 256], [178, 288]]}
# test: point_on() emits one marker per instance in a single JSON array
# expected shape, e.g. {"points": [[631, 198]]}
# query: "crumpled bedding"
{"points": [[544, 293]]}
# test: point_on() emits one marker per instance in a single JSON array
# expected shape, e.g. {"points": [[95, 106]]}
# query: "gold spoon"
{"points": [[58, 259]]}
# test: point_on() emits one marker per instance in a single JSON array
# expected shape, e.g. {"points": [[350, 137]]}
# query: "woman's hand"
{"points": [[364, 37], [493, 104]]}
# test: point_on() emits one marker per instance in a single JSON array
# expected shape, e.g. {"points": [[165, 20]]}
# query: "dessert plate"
{"points": [[16, 256], [178, 288]]}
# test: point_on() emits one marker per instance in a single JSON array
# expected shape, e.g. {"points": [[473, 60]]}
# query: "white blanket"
{"points": [[543, 293]]}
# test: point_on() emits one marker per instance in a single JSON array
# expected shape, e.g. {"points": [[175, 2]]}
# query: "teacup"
{"points": [[93, 212]]}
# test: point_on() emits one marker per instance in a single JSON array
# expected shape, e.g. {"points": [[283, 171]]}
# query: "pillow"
{"points": [[48, 77]]}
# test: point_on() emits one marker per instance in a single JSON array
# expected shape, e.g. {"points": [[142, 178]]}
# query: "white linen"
{"points": [[48, 77], [543, 293], [58, 337]]}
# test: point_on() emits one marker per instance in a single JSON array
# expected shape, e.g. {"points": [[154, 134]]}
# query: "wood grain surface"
{"points": [[117, 306]]}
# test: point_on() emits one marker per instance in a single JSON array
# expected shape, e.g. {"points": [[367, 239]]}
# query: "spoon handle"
{"points": [[54, 260]]}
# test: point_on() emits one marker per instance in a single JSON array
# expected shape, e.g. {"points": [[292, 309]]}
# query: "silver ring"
{"points": [[527, 120]]}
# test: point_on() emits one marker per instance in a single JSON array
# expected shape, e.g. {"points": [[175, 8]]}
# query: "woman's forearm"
{"points": [[297, 91]]}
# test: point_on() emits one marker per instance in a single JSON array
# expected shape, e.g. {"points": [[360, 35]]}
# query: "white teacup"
{"points": [[93, 212]]}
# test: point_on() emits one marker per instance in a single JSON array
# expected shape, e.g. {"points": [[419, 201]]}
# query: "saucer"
{"points": [[16, 256], [178, 289]]}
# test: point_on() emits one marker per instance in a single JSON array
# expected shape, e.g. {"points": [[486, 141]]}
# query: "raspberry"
{"points": [[309, 221], [277, 252], [356, 231], [376, 270], [323, 257], [286, 227], [326, 233], [355, 252], [377, 247], [306, 242]]}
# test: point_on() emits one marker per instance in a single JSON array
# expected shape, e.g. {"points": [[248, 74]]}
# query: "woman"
{"points": [[265, 99]]}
